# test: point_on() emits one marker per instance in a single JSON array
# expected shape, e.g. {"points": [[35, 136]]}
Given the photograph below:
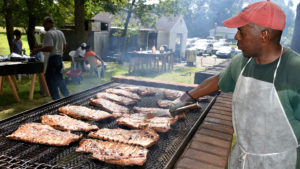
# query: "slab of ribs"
{"points": [[43, 134], [66, 123], [114, 152], [81, 112], [145, 138]]}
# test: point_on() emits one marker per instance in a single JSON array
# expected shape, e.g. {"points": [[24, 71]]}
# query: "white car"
{"points": [[224, 52]]}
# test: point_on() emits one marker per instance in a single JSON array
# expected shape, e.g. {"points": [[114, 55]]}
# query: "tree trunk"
{"points": [[79, 13], [124, 33], [295, 44], [8, 22], [31, 24]]}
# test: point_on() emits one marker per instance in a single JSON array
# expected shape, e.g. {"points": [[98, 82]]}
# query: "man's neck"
{"points": [[268, 55]]}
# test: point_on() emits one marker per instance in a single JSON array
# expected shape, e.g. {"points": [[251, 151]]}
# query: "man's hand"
{"points": [[183, 100]]}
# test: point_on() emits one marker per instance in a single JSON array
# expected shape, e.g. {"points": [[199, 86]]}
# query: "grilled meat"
{"points": [[172, 94], [164, 103], [116, 98], [133, 120], [147, 91], [158, 112], [143, 91], [114, 152], [66, 123], [139, 121], [110, 106], [145, 138], [43, 134], [81, 112], [159, 124], [124, 93]]}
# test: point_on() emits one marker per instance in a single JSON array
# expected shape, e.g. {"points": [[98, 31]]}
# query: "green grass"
{"points": [[4, 47]]}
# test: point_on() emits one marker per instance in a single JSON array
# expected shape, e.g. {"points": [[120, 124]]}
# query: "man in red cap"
{"points": [[266, 91]]}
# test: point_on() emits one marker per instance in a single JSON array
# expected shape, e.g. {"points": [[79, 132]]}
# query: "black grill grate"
{"points": [[45, 156], [11, 162]]}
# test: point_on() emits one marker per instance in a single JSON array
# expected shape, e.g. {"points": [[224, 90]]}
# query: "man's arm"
{"points": [[208, 86], [42, 49]]}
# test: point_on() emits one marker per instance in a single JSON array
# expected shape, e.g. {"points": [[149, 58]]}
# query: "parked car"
{"points": [[209, 49], [237, 51], [224, 52]]}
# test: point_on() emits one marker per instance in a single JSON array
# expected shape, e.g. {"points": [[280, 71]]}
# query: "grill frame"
{"points": [[68, 154]]}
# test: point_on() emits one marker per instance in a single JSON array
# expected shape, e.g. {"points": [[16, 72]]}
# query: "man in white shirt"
{"points": [[54, 43]]}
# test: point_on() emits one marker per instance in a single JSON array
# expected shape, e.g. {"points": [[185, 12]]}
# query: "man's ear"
{"points": [[265, 36]]}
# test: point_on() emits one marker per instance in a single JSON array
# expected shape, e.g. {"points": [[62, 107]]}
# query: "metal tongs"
{"points": [[184, 108]]}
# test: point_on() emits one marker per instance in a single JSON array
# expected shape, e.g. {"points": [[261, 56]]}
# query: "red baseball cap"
{"points": [[263, 13]]}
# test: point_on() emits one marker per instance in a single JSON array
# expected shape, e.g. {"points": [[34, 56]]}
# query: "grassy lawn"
{"points": [[9, 107]]}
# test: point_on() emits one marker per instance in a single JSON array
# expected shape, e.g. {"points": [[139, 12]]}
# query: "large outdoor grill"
{"points": [[18, 154]]}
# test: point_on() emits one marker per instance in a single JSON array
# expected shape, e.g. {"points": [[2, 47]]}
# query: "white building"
{"points": [[170, 31]]}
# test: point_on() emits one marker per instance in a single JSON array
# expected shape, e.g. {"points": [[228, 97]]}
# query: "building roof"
{"points": [[164, 23]]}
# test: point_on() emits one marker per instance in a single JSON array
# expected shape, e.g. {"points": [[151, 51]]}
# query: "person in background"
{"points": [[80, 51], [91, 58], [54, 43], [265, 83], [17, 43]]}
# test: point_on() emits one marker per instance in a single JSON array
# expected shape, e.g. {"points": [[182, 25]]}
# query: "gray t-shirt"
{"points": [[56, 39]]}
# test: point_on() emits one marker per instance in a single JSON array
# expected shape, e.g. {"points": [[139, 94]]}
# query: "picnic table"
{"points": [[156, 61], [10, 68]]}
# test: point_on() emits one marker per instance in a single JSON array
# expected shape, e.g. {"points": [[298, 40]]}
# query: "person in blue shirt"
{"points": [[17, 43]]}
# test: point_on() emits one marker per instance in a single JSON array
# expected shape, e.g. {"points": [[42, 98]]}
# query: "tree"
{"points": [[295, 44], [7, 8], [31, 4], [79, 12], [145, 14]]}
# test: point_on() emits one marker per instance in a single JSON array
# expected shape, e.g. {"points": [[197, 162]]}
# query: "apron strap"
{"points": [[245, 65], [275, 73]]}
